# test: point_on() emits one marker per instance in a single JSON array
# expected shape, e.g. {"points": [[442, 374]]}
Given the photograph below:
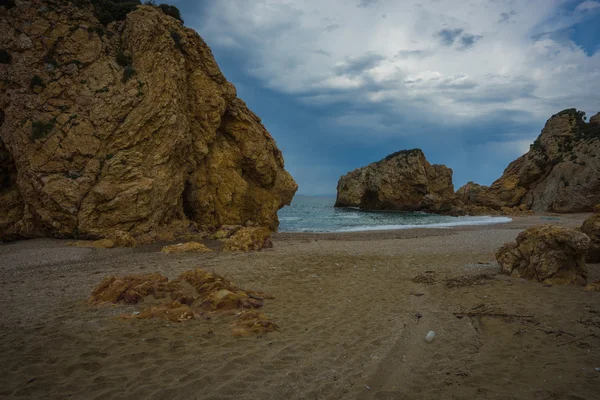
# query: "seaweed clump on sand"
{"points": [[194, 293]]}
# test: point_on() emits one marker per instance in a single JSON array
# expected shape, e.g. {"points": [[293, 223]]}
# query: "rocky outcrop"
{"points": [[560, 173], [129, 127], [548, 254], [403, 181], [591, 227]]}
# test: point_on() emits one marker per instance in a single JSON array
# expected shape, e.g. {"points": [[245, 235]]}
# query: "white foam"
{"points": [[464, 221], [289, 218]]}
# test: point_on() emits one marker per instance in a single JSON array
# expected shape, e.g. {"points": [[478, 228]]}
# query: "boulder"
{"points": [[591, 227], [130, 127], [189, 247], [559, 173], [548, 254], [249, 239], [403, 181]]}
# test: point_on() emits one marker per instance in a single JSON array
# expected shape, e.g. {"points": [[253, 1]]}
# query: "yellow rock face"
{"points": [[161, 148], [190, 247]]}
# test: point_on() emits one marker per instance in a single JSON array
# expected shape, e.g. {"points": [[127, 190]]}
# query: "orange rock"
{"points": [[194, 292], [129, 289], [225, 232], [557, 174], [170, 152], [248, 239], [122, 239], [548, 254], [189, 247], [252, 323], [591, 227]]}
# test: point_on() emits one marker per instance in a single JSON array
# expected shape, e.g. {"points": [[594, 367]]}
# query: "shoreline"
{"points": [[573, 221]]}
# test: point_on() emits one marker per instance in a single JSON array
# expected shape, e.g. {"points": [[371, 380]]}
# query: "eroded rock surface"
{"points": [[129, 127], [403, 181], [560, 173], [548, 254]]}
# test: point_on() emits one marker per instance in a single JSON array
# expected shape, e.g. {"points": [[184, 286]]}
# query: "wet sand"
{"points": [[345, 304]]}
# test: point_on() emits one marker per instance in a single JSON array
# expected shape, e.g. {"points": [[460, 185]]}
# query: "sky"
{"points": [[343, 83]]}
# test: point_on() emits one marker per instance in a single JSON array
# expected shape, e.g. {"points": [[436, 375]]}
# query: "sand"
{"points": [[346, 305]]}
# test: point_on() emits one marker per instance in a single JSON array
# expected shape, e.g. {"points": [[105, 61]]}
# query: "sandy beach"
{"points": [[346, 305]]}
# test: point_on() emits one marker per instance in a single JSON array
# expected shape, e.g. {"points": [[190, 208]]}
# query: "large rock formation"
{"points": [[591, 227], [129, 127], [548, 254], [403, 181], [560, 173]]}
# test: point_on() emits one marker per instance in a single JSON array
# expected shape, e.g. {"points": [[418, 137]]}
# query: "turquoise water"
{"points": [[317, 214]]}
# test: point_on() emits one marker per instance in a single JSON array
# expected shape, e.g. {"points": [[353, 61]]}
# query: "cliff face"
{"points": [[560, 173], [128, 127], [403, 181]]}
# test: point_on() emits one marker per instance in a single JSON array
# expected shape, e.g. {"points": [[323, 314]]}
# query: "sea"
{"points": [[317, 214]]}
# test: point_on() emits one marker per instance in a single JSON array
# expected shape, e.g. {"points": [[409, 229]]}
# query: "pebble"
{"points": [[430, 336]]}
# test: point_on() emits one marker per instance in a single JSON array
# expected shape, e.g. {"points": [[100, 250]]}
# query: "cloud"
{"points": [[468, 40], [309, 48], [587, 6], [331, 28], [447, 37], [435, 69], [366, 3], [357, 65], [506, 17]]}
